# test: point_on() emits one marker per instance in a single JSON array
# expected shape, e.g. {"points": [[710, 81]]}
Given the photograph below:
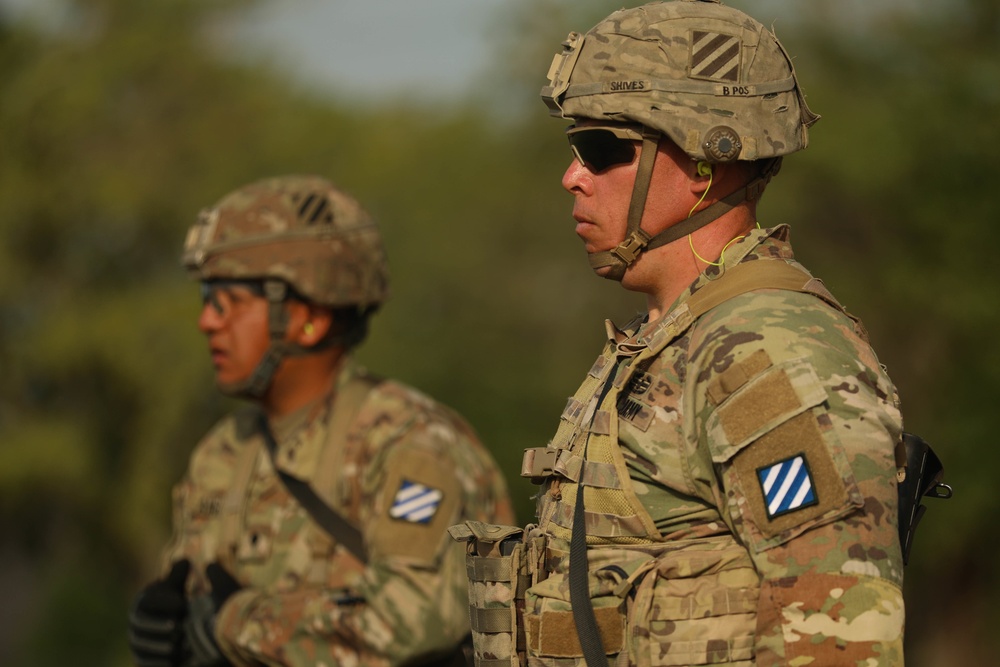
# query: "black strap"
{"points": [[328, 519], [579, 590]]}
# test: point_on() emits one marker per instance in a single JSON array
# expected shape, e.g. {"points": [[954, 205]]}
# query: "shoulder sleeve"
{"points": [[430, 474], [800, 423]]}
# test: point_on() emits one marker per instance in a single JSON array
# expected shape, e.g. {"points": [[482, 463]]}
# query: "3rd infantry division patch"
{"points": [[715, 57], [787, 486], [415, 502]]}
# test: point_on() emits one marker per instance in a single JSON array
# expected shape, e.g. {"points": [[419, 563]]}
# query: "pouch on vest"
{"points": [[550, 627], [497, 564], [695, 605]]}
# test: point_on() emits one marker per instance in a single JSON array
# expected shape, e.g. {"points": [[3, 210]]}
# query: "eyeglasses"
{"points": [[599, 147], [224, 295]]}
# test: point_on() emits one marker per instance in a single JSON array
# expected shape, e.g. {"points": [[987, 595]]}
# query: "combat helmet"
{"points": [[712, 79], [297, 235]]}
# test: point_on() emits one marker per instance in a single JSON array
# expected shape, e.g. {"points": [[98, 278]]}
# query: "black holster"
{"points": [[920, 477]]}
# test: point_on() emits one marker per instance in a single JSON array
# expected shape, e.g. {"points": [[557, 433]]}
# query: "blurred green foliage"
{"points": [[118, 126]]}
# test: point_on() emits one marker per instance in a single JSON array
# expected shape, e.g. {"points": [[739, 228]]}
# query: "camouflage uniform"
{"points": [[397, 466], [308, 601], [694, 557], [738, 453]]}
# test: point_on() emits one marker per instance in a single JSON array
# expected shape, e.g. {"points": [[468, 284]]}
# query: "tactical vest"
{"points": [[655, 602]]}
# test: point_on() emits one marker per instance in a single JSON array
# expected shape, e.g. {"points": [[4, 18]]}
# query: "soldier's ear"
{"points": [[702, 176], [307, 324]]}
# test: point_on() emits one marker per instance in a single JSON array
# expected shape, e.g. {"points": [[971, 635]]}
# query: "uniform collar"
{"points": [[301, 435]]}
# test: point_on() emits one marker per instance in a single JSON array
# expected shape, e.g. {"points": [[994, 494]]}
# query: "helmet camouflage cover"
{"points": [[711, 78], [298, 229]]}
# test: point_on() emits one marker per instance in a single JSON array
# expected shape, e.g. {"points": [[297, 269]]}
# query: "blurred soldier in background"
{"points": [[721, 489], [310, 527]]}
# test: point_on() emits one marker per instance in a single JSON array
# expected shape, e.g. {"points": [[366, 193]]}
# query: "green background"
{"points": [[118, 126]]}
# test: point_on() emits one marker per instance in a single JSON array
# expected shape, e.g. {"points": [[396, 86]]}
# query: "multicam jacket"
{"points": [[401, 467], [740, 502]]}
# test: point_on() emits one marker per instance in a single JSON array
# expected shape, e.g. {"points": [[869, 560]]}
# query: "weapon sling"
{"points": [[579, 588], [346, 403]]}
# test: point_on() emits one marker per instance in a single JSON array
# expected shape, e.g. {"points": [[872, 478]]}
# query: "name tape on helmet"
{"points": [[695, 87]]}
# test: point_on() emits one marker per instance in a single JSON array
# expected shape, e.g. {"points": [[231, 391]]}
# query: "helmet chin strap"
{"points": [[637, 241], [258, 382]]}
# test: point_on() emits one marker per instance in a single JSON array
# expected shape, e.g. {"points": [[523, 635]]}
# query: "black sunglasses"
{"points": [[218, 292], [599, 147]]}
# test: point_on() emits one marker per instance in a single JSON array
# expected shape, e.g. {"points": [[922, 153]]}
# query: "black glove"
{"points": [[223, 584], [200, 647], [156, 636]]}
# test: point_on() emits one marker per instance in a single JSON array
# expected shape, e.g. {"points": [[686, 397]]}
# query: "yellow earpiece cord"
{"points": [[722, 255]]}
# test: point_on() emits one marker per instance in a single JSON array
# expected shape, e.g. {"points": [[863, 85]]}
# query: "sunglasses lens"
{"points": [[599, 149], [211, 293], [220, 293]]}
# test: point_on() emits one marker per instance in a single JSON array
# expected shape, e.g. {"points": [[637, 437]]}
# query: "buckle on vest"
{"points": [[538, 463]]}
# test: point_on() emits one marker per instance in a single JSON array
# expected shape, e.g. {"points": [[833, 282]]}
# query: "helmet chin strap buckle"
{"points": [[630, 249], [262, 376], [275, 290], [619, 258]]}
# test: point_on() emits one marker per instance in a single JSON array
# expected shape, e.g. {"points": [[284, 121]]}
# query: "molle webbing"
{"points": [[612, 510], [497, 566], [493, 570], [541, 462], [584, 618], [602, 395]]}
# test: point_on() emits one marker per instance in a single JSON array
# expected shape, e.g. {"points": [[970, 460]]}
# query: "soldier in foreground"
{"points": [[721, 489], [310, 528]]}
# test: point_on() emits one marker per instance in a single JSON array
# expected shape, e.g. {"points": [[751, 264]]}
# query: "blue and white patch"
{"points": [[787, 486], [415, 503]]}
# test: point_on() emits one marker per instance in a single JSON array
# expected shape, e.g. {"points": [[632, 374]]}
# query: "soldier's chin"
{"points": [[240, 389], [605, 272], [602, 271]]}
